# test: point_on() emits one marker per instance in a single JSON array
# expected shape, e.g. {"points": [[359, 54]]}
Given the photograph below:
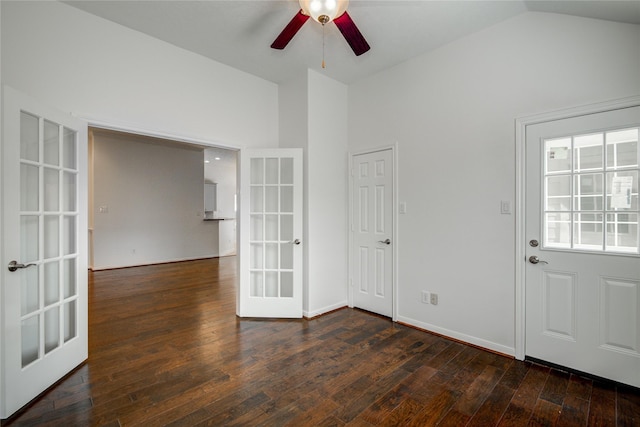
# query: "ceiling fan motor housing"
{"points": [[324, 11]]}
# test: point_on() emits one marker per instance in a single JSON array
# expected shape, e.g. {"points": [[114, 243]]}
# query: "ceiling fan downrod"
{"points": [[323, 45]]}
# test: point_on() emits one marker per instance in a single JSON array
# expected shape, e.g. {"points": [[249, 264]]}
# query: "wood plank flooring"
{"points": [[167, 349]]}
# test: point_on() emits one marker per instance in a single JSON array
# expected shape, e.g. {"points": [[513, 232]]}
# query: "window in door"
{"points": [[272, 227], [48, 213], [591, 192]]}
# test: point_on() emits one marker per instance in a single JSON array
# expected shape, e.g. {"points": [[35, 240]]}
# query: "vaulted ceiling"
{"points": [[238, 32]]}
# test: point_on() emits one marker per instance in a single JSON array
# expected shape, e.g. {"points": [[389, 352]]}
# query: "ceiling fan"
{"points": [[324, 11]]}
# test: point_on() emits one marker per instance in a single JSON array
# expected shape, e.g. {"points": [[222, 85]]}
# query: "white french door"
{"points": [[582, 241], [44, 248], [372, 232], [270, 233]]}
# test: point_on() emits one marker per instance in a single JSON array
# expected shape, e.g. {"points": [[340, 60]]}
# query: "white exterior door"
{"points": [[270, 233], [44, 248], [582, 244], [372, 231]]}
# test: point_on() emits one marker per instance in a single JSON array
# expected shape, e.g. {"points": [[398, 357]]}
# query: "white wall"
{"points": [[103, 71], [153, 193], [452, 112], [294, 129], [313, 116], [327, 194], [112, 75]]}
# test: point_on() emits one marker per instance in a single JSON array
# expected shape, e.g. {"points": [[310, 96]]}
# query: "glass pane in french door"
{"points": [[271, 255], [48, 236]]}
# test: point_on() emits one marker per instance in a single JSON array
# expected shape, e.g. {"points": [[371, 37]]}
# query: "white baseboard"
{"points": [[323, 310], [143, 263], [479, 342]]}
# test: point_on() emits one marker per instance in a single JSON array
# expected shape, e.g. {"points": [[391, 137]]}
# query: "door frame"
{"points": [[128, 128], [394, 225], [521, 124]]}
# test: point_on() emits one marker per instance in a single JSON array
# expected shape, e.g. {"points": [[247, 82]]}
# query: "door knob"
{"points": [[296, 241], [386, 242], [14, 265], [534, 260]]}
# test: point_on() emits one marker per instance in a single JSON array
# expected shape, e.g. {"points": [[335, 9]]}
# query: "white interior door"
{"points": [[270, 233], [582, 237], [44, 248], [372, 231]]}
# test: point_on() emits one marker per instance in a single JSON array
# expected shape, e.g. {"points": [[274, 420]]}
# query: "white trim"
{"points": [[394, 226], [396, 234], [392, 146], [521, 124], [141, 264], [323, 310], [2, 250], [132, 129], [490, 345]]}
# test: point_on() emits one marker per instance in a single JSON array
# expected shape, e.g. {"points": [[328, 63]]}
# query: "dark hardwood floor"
{"points": [[167, 349]]}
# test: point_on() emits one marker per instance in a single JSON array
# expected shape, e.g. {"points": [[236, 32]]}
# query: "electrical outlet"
{"points": [[434, 299], [425, 297]]}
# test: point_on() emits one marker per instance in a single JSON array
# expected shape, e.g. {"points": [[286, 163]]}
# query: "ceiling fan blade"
{"points": [[290, 30], [351, 33]]}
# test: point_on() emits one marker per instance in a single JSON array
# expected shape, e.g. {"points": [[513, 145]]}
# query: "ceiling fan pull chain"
{"points": [[323, 46]]}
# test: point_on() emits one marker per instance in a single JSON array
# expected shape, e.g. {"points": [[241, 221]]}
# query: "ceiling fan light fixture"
{"points": [[324, 11]]}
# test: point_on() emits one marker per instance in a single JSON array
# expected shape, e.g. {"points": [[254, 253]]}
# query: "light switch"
{"points": [[103, 209], [403, 207], [505, 207]]}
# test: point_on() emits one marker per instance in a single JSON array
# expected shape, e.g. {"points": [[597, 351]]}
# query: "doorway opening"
{"points": [[150, 200]]}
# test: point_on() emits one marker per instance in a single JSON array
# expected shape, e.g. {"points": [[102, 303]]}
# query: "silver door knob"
{"points": [[14, 265], [534, 260], [296, 241], [386, 242]]}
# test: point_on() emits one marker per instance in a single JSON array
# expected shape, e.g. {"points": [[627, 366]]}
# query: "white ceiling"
{"points": [[239, 32]]}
